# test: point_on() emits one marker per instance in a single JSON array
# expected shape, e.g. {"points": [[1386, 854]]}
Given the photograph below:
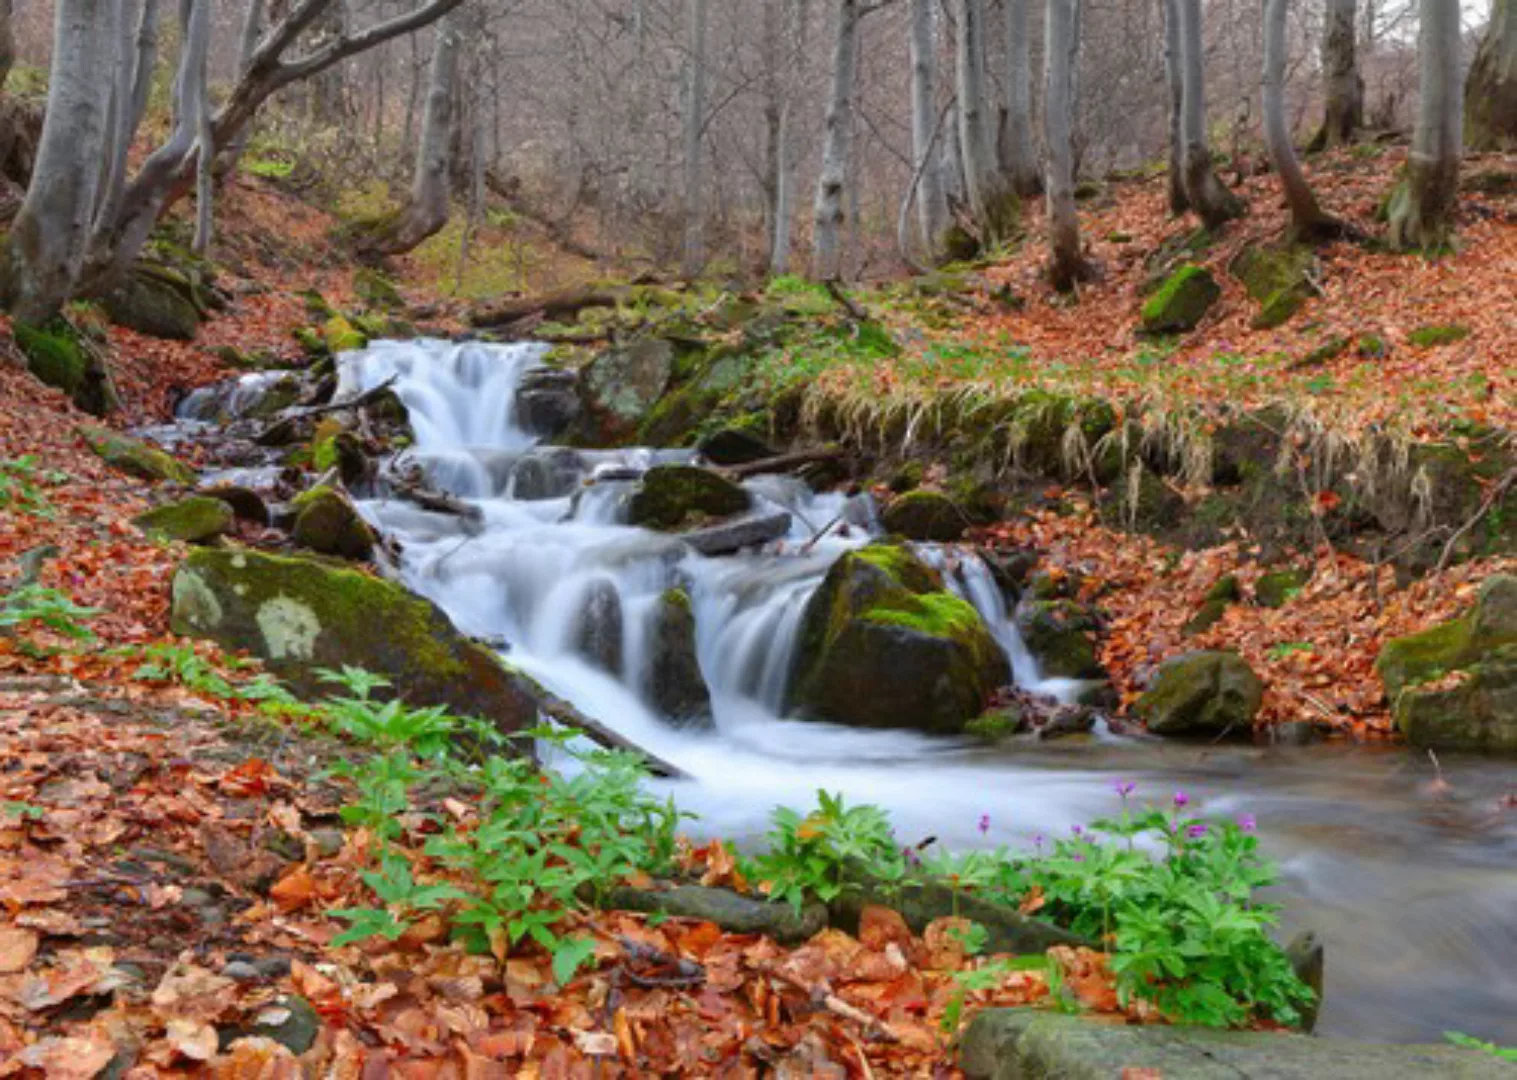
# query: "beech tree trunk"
{"points": [[1491, 91], [48, 242], [695, 120], [992, 203], [1308, 222], [431, 183], [1203, 190], [1343, 86], [931, 202], [1018, 158], [831, 188], [7, 42], [1174, 80], [1422, 208], [1067, 265]]}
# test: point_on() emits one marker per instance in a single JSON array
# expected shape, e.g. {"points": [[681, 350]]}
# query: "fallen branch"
{"points": [[785, 463], [686, 973], [1492, 497], [553, 306], [363, 400], [562, 712], [856, 313], [822, 997], [436, 501]]}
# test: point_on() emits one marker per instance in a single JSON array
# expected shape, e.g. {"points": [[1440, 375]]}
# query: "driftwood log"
{"points": [[550, 306]]}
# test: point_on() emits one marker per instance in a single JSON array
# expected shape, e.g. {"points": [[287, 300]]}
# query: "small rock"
{"points": [[1202, 693], [289, 1021], [927, 516], [195, 520], [1280, 587], [730, 537], [673, 497], [734, 446], [327, 523], [241, 971], [1182, 301], [329, 842]]}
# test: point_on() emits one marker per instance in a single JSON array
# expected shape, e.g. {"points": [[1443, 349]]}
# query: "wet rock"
{"points": [[1060, 634], [135, 457], [597, 633], [545, 474], [289, 1020], [734, 446], [327, 523], [547, 401], [883, 644], [246, 504], [1068, 720], [730, 537], [1307, 959], [676, 687], [1182, 301], [195, 520], [733, 912], [301, 614], [1202, 693], [621, 386], [674, 497], [1006, 1044], [1012, 571], [925, 516], [1280, 587], [241, 971]]}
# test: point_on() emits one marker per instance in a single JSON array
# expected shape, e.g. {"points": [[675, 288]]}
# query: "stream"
{"points": [[1410, 883]]}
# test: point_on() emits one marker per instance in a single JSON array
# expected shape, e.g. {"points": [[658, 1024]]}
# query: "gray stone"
{"points": [[289, 1021], [676, 687], [597, 633], [1202, 693], [1029, 1044], [1060, 634], [547, 401], [621, 386], [733, 536]]}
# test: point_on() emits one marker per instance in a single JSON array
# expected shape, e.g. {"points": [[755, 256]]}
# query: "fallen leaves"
{"points": [[17, 949]]}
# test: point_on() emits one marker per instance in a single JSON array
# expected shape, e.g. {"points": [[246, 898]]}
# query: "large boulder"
{"points": [[135, 457], [621, 386], [927, 516], [1278, 278], [302, 614], [674, 497], [1454, 686], [675, 685], [547, 401], [1202, 693], [194, 520], [59, 356], [884, 644], [154, 304], [1060, 635], [327, 523], [1182, 301]]}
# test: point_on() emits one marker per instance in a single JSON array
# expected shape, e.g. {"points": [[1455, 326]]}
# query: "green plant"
{"points": [[22, 811], [810, 857], [1287, 648], [387, 725], [48, 607], [182, 665], [21, 487], [1469, 1042]]}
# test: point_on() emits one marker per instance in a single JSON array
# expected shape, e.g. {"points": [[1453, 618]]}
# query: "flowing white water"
{"points": [[1406, 893]]}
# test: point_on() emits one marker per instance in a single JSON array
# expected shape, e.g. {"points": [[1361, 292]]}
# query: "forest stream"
{"points": [[1402, 870]]}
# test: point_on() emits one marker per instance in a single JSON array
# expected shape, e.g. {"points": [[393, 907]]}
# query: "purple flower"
{"points": [[1078, 830], [1078, 857], [1195, 832], [1125, 788], [1247, 823], [1182, 800], [1038, 842], [984, 825], [911, 855]]}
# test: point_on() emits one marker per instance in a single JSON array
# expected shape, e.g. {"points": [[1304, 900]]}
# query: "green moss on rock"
{"points": [[675, 686], [925, 516], [1452, 646], [376, 290], [1279, 587], [1060, 634], [192, 520], [155, 305], [619, 388], [56, 355], [1428, 337], [1477, 713], [882, 644], [134, 456], [1277, 278], [674, 497], [339, 335], [327, 523], [1203, 693], [1182, 301]]}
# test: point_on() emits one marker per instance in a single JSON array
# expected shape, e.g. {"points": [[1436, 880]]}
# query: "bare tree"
{"points": [[1343, 86], [1067, 265], [1491, 92], [1308, 221], [932, 203], [992, 203], [1174, 80], [1203, 190], [1018, 158], [828, 214], [1422, 208], [695, 121]]}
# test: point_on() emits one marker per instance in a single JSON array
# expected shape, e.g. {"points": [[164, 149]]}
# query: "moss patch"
{"points": [[192, 520], [1182, 301], [1428, 337], [674, 497], [134, 456]]}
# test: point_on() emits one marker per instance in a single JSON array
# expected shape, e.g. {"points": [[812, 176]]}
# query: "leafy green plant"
{"points": [[1469, 1042], [183, 666], [21, 487], [35, 604], [1286, 648], [388, 725], [22, 811], [810, 857]]}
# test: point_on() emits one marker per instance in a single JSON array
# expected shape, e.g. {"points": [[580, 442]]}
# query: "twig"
{"points": [[855, 312], [787, 462], [1492, 497], [685, 972], [826, 999], [368, 397]]}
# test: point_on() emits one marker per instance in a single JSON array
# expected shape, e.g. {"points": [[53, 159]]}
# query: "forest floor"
{"points": [[176, 847]]}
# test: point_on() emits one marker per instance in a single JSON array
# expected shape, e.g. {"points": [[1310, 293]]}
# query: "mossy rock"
{"points": [[1452, 646], [1204, 694], [928, 516], [310, 341], [135, 457], [733, 912], [619, 387], [675, 497], [339, 335], [1429, 337], [735, 445], [1060, 634], [193, 520], [675, 686], [1277, 278], [1219, 598], [1182, 301], [300, 614], [56, 355], [1478, 713], [684, 413], [883, 644], [327, 523], [151, 304], [276, 399], [376, 290], [1279, 587], [1172, 254], [922, 903]]}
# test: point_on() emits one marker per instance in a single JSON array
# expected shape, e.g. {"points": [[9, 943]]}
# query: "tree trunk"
{"points": [[695, 120], [1422, 208], [427, 211], [50, 237], [1205, 192], [7, 42], [992, 203], [931, 202], [1018, 158], [252, 29], [838, 131], [1062, 45], [1174, 80], [1491, 92], [198, 104], [1308, 222], [1343, 86]]}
